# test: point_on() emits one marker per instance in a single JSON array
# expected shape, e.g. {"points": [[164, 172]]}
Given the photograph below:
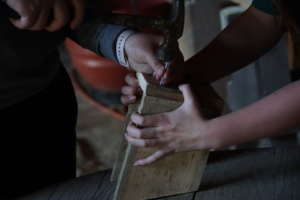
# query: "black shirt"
{"points": [[29, 60]]}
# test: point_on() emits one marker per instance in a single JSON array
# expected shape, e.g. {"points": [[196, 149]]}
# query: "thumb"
{"points": [[187, 93], [191, 102], [22, 23], [27, 13]]}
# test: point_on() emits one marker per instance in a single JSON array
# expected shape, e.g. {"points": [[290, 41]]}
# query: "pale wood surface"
{"points": [[175, 174]]}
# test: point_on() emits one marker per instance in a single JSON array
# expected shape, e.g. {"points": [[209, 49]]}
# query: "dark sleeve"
{"points": [[94, 34], [98, 37]]}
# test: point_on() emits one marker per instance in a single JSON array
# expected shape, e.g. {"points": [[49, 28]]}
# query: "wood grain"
{"points": [[175, 174]]}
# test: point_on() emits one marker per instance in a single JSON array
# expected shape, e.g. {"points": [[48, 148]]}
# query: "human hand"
{"points": [[66, 12], [141, 51], [131, 91], [185, 129], [50, 15]]}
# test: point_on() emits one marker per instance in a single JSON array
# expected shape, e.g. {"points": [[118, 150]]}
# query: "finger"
{"points": [[131, 80], [28, 15], [129, 91], [140, 67], [61, 16], [149, 120], [191, 102], [126, 100], [78, 8], [43, 17], [154, 157], [145, 133], [23, 22], [155, 64], [187, 93], [141, 142]]}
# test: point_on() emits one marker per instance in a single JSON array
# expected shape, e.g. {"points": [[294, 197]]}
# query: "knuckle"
{"points": [[141, 120], [143, 134], [123, 89], [139, 133], [128, 128], [149, 143], [131, 90], [128, 78], [124, 100]]}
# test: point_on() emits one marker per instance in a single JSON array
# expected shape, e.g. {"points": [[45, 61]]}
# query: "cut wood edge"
{"points": [[149, 88]]}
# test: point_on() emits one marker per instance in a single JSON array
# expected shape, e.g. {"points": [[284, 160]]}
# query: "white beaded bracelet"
{"points": [[120, 47]]}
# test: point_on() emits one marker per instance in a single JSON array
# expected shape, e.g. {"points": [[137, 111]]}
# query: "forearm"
{"points": [[247, 38], [268, 117]]}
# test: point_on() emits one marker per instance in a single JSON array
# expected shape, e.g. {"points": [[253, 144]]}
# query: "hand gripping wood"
{"points": [[174, 174]]}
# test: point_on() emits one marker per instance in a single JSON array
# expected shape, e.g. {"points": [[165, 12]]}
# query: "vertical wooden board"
{"points": [[175, 174], [123, 145]]}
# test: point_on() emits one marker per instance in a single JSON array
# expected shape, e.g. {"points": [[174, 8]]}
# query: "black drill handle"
{"points": [[9, 12]]}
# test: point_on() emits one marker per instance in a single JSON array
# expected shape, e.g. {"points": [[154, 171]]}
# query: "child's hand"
{"points": [[185, 129]]}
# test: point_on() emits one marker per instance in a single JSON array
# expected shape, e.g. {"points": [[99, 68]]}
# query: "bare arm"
{"points": [[185, 129], [247, 38], [270, 116]]}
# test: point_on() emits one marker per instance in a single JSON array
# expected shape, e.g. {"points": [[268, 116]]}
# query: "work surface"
{"points": [[230, 175]]}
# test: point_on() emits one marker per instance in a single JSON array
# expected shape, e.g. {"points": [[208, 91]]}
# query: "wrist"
{"points": [[121, 47], [212, 133], [129, 44]]}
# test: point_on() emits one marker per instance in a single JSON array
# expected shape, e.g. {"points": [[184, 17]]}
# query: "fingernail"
{"points": [[137, 163], [132, 98]]}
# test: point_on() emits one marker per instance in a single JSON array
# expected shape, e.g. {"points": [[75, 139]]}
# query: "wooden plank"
{"points": [[258, 174], [123, 145], [175, 174]]}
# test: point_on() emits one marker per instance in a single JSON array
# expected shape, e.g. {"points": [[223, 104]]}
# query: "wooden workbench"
{"points": [[230, 175]]}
